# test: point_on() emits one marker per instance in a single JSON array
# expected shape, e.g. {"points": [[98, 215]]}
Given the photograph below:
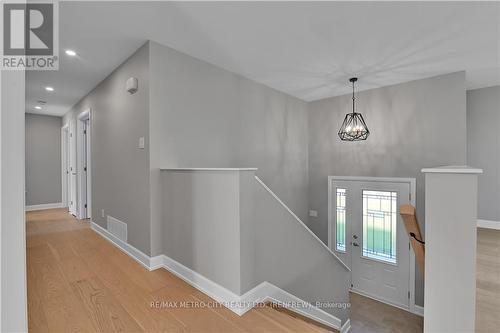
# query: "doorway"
{"points": [[72, 183], [84, 164], [366, 231], [65, 168]]}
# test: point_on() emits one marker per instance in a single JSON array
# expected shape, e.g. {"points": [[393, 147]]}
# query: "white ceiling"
{"points": [[308, 50]]}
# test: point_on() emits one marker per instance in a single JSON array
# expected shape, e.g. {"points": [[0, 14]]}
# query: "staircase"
{"points": [[226, 233]]}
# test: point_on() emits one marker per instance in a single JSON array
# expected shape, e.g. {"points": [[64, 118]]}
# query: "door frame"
{"points": [[65, 164], [413, 201], [84, 192]]}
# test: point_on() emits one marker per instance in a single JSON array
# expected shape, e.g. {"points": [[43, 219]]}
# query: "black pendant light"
{"points": [[354, 127]]}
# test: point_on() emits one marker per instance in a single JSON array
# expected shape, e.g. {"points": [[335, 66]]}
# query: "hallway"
{"points": [[78, 281]]}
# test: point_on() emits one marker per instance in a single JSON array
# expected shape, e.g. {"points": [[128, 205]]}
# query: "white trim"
{"points": [[419, 310], [264, 292], [413, 201], [488, 224], [136, 254], [208, 169], [302, 223], [416, 309], [156, 262], [346, 327], [453, 169], [377, 179], [44, 206], [89, 166], [207, 286]]}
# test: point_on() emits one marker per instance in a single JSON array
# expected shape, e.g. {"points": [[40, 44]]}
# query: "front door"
{"points": [[370, 237]]}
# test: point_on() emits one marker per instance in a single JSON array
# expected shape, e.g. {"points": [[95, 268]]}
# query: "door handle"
{"points": [[355, 244], [355, 236]]}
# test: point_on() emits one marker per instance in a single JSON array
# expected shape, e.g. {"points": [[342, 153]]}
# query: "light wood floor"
{"points": [[488, 281], [79, 282]]}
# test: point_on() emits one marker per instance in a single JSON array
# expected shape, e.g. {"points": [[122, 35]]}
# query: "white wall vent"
{"points": [[117, 228]]}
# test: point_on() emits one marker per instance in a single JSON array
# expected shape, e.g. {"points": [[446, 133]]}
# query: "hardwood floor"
{"points": [[79, 282], [488, 281], [370, 316]]}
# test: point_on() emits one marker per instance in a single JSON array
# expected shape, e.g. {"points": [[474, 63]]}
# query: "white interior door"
{"points": [[72, 169], [65, 166], [370, 237], [84, 211], [83, 164]]}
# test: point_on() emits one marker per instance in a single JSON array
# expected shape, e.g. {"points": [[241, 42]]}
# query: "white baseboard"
{"points": [[207, 286], [416, 309], [488, 224], [346, 327], [44, 206], [264, 292], [419, 310]]}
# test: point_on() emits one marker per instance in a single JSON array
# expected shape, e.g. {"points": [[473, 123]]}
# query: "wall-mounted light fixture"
{"points": [[354, 127]]}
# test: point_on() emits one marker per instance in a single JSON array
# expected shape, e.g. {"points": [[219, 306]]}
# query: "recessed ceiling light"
{"points": [[71, 53], [38, 107], [49, 88]]}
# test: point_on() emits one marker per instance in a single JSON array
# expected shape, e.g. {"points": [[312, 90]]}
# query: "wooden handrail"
{"points": [[408, 213]]}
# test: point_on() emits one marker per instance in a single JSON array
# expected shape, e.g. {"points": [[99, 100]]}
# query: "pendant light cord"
{"points": [[353, 98]]}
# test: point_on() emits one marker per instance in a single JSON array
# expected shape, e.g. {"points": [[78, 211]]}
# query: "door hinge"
{"points": [[409, 196], [352, 285], [85, 132], [84, 168], [408, 294], [85, 205]]}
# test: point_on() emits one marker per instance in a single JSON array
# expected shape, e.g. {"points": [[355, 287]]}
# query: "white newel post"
{"points": [[450, 248]]}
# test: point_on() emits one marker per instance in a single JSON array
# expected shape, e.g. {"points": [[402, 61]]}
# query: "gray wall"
{"points": [[413, 125], [290, 257], [201, 223], [120, 170], [43, 159], [204, 116], [483, 147]]}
